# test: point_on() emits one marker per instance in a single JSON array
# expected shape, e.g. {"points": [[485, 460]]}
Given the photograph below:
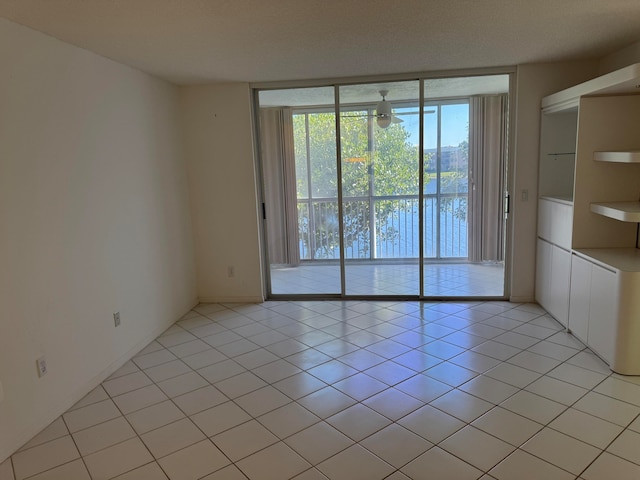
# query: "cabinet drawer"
{"points": [[555, 222]]}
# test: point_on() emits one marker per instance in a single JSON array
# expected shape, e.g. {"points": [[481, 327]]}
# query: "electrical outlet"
{"points": [[231, 272], [116, 319], [41, 364]]}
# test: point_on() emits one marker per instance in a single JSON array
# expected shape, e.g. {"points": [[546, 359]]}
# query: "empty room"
{"points": [[351, 240]]}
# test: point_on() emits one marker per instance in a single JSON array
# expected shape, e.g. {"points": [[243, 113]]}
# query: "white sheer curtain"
{"points": [[279, 171], [487, 155]]}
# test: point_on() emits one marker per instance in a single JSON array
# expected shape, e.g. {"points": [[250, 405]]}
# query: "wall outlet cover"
{"points": [[116, 319], [41, 364]]}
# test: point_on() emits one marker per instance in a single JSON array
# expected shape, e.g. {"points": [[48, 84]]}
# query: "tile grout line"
{"points": [[602, 450], [610, 443], [358, 371]]}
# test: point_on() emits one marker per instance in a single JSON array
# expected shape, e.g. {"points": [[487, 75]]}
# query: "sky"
{"points": [[455, 123]]}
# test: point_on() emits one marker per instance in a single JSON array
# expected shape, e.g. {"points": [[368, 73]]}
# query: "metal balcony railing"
{"points": [[384, 227]]}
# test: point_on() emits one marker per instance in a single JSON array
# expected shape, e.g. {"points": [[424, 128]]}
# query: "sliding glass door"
{"points": [[465, 153], [385, 189], [300, 188], [379, 137], [446, 189]]}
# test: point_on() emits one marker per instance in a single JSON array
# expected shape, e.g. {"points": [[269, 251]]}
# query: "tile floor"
{"points": [[349, 391], [440, 280]]}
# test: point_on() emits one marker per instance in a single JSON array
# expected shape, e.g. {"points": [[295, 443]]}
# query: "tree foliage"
{"points": [[379, 165]]}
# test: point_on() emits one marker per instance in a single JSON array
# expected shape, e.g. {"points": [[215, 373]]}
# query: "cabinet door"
{"points": [[561, 224], [603, 314], [559, 283], [544, 218], [555, 222], [543, 273], [580, 297]]}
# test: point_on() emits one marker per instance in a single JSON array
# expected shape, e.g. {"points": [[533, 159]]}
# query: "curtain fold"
{"points": [[279, 171], [488, 116]]}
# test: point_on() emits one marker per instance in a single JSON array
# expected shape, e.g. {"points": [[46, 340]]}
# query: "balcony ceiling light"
{"points": [[384, 115]]}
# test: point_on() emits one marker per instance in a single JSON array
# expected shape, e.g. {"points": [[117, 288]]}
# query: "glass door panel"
{"points": [[464, 163], [446, 139], [431, 115], [379, 136], [453, 180], [299, 169]]}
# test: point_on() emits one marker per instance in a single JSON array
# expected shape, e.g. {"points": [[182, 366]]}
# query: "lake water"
{"points": [[399, 236]]}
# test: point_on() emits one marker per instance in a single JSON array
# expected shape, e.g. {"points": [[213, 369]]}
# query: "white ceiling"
{"points": [[204, 41]]}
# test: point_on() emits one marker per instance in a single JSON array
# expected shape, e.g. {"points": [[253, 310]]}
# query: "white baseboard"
{"points": [[231, 299], [523, 299]]}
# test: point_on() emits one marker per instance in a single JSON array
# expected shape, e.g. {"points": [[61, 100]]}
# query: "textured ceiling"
{"points": [[203, 41]]}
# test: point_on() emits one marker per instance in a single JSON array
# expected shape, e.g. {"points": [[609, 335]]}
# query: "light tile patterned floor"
{"points": [[440, 280], [347, 391]]}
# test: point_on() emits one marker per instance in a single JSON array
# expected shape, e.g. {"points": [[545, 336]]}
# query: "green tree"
{"points": [[385, 164]]}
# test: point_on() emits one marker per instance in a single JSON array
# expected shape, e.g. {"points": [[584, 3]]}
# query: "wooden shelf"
{"points": [[623, 211], [632, 156]]}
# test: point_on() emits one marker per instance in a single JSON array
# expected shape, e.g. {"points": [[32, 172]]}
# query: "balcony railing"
{"points": [[395, 232]]}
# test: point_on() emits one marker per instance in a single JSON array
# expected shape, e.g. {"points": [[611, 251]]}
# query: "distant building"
{"points": [[451, 159]]}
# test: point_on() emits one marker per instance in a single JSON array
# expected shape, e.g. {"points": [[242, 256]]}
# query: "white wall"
{"points": [[533, 83], [94, 218], [218, 140], [620, 58]]}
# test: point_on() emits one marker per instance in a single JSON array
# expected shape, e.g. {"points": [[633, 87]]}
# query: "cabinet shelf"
{"points": [[632, 156], [623, 259], [623, 211]]}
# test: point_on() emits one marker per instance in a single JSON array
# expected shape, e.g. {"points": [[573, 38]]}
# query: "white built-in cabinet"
{"points": [[604, 307], [553, 260], [593, 305], [588, 263], [553, 279]]}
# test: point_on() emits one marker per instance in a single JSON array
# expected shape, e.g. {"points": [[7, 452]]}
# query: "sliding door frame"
{"points": [[336, 83]]}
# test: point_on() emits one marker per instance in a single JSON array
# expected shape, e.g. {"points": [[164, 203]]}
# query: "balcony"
{"points": [[384, 259], [395, 232]]}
